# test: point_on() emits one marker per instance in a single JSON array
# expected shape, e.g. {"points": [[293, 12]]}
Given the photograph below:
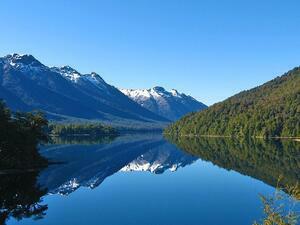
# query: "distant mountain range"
{"points": [[65, 94], [171, 105], [270, 110]]}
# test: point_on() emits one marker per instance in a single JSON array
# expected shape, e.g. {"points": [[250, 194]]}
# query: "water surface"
{"points": [[144, 179]]}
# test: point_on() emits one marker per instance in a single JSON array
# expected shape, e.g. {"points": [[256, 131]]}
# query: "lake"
{"points": [[145, 179]]}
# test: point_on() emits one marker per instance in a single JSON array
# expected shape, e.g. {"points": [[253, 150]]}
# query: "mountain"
{"points": [[64, 93], [171, 105], [270, 110]]}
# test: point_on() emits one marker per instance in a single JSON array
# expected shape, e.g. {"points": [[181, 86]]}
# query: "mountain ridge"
{"points": [[27, 84], [169, 104]]}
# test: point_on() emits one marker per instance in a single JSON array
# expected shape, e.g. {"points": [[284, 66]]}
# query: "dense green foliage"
{"points": [[20, 134], [270, 110], [266, 160], [90, 129]]}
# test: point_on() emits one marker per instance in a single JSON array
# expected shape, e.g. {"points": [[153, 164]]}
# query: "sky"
{"points": [[210, 49]]}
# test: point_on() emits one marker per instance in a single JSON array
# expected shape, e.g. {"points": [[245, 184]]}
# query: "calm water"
{"points": [[143, 179]]}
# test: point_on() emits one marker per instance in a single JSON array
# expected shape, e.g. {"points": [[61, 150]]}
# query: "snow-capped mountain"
{"points": [[169, 104], [64, 93], [67, 72], [75, 76]]}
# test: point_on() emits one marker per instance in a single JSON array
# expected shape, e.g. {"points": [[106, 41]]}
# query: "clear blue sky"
{"points": [[210, 49]]}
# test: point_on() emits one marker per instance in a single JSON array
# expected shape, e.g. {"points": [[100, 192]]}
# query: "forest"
{"points": [[20, 134], [81, 129], [270, 110]]}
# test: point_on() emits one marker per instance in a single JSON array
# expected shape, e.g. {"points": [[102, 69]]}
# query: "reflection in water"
{"points": [[89, 165], [21, 197], [84, 140], [158, 160], [266, 160]]}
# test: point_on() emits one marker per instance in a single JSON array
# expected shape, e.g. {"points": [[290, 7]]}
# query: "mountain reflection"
{"points": [[90, 164], [20, 197], [266, 160]]}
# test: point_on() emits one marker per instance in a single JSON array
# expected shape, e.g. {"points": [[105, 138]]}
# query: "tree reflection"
{"points": [[81, 140], [266, 160], [20, 197]]}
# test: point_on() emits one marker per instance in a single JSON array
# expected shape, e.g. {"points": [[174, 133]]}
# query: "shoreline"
{"points": [[29, 170], [226, 136]]}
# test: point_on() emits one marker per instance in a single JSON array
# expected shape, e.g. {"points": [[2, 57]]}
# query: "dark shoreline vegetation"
{"points": [[22, 132], [170, 135], [21, 197], [80, 129], [270, 110]]}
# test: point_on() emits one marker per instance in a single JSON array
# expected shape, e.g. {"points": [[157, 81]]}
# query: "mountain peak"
{"points": [[68, 69], [175, 93], [68, 72], [96, 79], [159, 89], [171, 105], [25, 59], [96, 75], [65, 94], [20, 56]]}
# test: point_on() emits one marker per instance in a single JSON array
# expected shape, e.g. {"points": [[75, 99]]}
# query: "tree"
{"points": [[20, 133]]}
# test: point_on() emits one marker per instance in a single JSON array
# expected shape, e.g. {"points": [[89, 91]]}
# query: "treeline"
{"points": [[80, 129], [270, 110], [20, 134]]}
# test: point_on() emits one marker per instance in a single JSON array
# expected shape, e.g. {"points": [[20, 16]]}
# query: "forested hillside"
{"points": [[270, 110]]}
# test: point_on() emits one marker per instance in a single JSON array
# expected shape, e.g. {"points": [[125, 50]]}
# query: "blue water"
{"points": [[196, 192]]}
